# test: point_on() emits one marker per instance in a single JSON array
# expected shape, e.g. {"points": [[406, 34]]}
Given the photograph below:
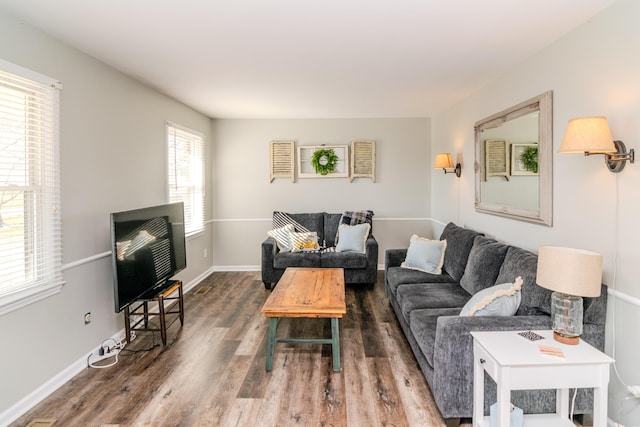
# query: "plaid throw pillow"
{"points": [[356, 217]]}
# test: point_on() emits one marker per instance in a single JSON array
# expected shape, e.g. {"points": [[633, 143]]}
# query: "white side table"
{"points": [[515, 363]]}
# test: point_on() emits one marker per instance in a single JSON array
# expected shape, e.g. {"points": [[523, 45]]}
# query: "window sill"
{"points": [[23, 297]]}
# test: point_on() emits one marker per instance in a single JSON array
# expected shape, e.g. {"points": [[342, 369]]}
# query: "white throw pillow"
{"points": [[425, 255], [498, 300], [353, 238], [282, 237]]}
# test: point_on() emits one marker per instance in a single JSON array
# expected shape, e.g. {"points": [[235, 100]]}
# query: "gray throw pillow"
{"points": [[485, 259]]}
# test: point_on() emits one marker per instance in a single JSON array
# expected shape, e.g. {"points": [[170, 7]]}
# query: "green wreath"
{"points": [[324, 161], [529, 158]]}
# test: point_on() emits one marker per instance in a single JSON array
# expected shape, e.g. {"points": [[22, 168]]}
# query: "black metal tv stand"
{"points": [[164, 295]]}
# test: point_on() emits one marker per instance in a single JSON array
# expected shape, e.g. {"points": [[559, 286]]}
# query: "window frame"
{"points": [[41, 107], [194, 207]]}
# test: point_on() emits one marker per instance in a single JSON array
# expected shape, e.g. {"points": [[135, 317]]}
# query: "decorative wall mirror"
{"points": [[514, 161]]}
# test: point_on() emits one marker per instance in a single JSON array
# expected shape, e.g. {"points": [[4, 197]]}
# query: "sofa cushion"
{"points": [[498, 300], [331, 223], [485, 259], [396, 276], [520, 262], [296, 259], [430, 295], [343, 260], [459, 243], [423, 327], [425, 255]]}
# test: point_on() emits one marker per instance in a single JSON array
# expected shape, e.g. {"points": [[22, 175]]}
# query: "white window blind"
{"points": [[185, 149], [30, 223]]}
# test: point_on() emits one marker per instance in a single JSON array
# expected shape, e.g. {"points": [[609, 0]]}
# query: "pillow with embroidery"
{"points": [[307, 241]]}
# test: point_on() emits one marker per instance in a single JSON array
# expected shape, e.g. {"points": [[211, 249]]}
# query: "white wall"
{"points": [[112, 159], [244, 198], [593, 70]]}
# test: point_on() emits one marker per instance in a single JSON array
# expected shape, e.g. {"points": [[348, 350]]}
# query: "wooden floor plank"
{"points": [[212, 371], [360, 399], [415, 396]]}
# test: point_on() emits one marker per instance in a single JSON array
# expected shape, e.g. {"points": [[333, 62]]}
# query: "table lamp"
{"points": [[571, 274]]}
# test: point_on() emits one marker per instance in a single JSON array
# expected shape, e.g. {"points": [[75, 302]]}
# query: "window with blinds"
{"points": [[185, 155], [30, 223]]}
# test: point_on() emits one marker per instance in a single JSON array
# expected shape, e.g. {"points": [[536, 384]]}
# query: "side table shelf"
{"points": [[175, 306]]}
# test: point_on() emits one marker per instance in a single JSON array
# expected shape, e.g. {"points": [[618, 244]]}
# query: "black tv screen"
{"points": [[148, 249]]}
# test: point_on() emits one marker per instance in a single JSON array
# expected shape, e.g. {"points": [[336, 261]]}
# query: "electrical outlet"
{"points": [[204, 253], [87, 318]]}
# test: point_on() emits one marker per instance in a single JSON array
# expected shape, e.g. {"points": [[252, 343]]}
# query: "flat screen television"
{"points": [[148, 249]]}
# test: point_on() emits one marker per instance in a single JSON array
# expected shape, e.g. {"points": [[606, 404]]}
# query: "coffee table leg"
{"points": [[271, 341], [335, 344]]}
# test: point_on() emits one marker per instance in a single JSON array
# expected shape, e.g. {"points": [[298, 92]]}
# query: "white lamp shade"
{"points": [[443, 161], [570, 271], [587, 134]]}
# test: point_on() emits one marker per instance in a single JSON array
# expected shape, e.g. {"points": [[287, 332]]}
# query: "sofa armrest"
{"points": [[453, 356], [371, 249], [269, 247], [394, 257]]}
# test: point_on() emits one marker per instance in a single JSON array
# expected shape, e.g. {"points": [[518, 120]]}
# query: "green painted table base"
{"points": [[334, 341]]}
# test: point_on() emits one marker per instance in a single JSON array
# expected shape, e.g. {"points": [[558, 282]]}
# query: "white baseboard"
{"points": [[39, 394], [219, 268]]}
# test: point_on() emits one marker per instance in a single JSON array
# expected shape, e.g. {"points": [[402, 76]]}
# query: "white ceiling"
{"points": [[310, 59]]}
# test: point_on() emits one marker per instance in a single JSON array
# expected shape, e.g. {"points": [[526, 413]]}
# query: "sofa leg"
{"points": [[452, 422], [370, 286], [267, 285]]}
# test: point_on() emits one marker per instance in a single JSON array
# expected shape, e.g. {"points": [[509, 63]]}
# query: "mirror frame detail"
{"points": [[543, 215]]}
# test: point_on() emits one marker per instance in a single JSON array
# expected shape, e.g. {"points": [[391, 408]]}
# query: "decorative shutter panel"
{"points": [[282, 162], [363, 160]]}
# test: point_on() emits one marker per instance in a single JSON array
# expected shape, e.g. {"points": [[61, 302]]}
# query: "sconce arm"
{"points": [[616, 161]]}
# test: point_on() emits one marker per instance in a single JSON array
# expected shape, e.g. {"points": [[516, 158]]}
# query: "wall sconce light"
{"points": [[443, 161], [591, 135]]}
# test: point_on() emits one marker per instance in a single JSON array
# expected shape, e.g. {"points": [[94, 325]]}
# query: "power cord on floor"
{"points": [[109, 349]]}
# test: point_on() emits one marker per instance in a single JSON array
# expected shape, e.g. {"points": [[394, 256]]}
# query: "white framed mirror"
{"points": [[514, 161]]}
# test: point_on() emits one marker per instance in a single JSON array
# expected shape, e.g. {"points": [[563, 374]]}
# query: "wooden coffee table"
{"points": [[307, 292]]}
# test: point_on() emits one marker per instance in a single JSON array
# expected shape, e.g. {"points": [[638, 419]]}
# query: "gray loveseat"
{"points": [[427, 308], [359, 268]]}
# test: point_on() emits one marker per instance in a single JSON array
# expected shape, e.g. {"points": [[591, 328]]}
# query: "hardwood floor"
{"points": [[212, 371]]}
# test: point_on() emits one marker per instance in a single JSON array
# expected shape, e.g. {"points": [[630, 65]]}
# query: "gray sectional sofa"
{"points": [[427, 307], [359, 268]]}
